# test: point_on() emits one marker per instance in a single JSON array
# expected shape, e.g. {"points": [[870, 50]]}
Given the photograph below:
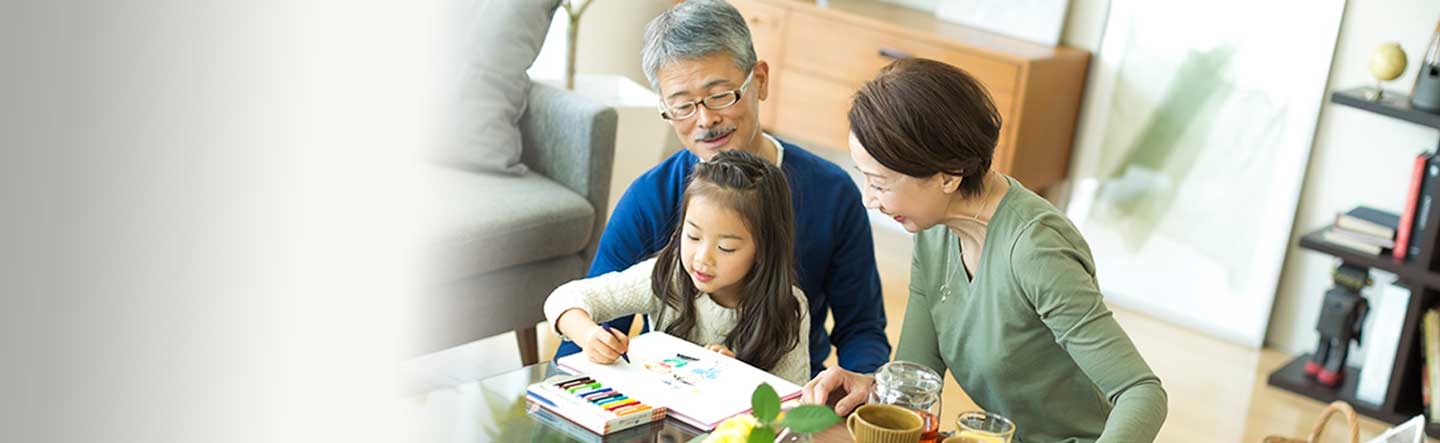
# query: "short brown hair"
{"points": [[921, 117]]}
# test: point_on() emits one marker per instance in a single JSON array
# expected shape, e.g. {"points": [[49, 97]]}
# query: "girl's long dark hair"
{"points": [[769, 313]]}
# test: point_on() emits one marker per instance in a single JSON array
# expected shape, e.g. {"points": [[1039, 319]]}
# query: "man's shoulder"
{"points": [[677, 165], [811, 167], [665, 179], [658, 188]]}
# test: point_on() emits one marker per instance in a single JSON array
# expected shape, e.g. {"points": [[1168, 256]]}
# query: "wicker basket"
{"points": [[1344, 408]]}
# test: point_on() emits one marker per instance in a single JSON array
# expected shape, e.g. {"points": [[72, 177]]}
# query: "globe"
{"points": [[1387, 62]]}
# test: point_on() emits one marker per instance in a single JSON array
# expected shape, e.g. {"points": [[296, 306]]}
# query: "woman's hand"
{"points": [[834, 383], [604, 345], [721, 349]]}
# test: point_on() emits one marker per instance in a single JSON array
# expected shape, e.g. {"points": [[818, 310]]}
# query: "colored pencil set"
{"points": [[591, 404]]}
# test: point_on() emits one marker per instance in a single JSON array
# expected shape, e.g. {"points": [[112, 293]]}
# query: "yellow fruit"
{"points": [[743, 423], [727, 436]]}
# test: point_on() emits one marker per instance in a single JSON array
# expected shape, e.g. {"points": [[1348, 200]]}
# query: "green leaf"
{"points": [[766, 403], [761, 434], [809, 419]]}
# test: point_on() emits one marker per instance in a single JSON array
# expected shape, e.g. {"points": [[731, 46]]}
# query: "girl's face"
{"points": [[916, 203], [716, 248]]}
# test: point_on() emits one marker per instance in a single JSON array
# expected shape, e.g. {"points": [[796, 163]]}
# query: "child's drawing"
{"points": [[682, 371]]}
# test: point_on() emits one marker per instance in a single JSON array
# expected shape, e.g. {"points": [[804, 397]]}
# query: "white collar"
{"points": [[779, 148]]}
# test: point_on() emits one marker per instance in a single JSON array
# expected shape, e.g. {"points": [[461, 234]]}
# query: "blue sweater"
{"points": [[835, 255]]}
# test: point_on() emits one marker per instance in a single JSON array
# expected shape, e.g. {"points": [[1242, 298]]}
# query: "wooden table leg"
{"points": [[529, 346]]}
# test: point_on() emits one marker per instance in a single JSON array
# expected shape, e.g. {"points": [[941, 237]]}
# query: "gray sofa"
{"points": [[498, 244]]}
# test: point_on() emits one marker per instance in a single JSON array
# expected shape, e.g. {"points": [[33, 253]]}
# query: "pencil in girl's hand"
{"points": [[624, 355]]}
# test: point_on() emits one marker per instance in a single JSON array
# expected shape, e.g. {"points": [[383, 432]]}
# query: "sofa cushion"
{"points": [[484, 48], [480, 222]]}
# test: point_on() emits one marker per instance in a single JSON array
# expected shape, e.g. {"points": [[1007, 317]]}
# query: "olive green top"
{"points": [[1030, 337]]}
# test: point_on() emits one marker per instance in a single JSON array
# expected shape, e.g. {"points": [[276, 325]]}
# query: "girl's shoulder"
{"points": [[641, 270], [800, 295]]}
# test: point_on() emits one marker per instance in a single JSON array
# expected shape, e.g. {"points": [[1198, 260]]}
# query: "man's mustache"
{"points": [[713, 134]]}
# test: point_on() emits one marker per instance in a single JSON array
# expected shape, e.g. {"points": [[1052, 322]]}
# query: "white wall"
{"points": [[1357, 158]]}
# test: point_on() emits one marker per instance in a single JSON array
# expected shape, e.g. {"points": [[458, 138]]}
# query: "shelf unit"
{"points": [[1420, 273]]}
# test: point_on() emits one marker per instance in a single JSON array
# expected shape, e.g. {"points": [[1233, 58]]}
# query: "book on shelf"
{"points": [[1412, 197], [1383, 335], [1430, 343], [1369, 221], [1358, 242], [1424, 390], [1417, 205]]}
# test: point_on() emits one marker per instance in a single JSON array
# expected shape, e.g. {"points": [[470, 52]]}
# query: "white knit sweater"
{"points": [[617, 294]]}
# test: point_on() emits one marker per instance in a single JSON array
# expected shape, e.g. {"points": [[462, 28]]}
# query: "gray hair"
{"points": [[696, 29]]}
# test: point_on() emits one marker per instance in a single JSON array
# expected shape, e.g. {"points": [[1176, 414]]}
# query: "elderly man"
{"points": [[699, 57]]}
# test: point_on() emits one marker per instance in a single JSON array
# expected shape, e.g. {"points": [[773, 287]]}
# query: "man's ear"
{"points": [[761, 80]]}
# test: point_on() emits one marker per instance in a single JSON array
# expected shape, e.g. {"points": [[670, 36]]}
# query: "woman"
{"points": [[1002, 291]]}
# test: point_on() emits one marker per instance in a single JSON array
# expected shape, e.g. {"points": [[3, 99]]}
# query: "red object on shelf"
{"points": [[1329, 378], [1407, 219]]}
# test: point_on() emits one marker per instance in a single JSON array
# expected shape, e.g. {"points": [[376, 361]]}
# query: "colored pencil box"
{"points": [[592, 405]]}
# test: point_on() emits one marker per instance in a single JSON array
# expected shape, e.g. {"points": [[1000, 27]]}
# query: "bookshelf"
{"points": [[1421, 273]]}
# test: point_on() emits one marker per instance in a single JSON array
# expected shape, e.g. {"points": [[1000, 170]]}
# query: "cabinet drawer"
{"points": [[852, 54], [816, 110], [767, 25], [813, 110]]}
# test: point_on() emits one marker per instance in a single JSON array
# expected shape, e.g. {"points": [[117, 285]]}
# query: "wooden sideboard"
{"points": [[820, 55]]}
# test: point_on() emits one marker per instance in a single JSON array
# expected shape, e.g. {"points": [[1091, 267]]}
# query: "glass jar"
{"points": [[1425, 96], [913, 386]]}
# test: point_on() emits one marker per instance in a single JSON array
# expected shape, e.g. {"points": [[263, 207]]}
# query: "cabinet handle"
{"points": [[894, 53]]}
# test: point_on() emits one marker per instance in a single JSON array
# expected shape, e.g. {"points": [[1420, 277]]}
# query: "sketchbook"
{"points": [[700, 388]]}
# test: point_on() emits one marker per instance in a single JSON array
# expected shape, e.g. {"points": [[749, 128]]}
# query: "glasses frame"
{"points": [[738, 93]]}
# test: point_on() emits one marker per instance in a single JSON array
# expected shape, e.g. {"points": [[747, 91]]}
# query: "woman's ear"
{"points": [[950, 183]]}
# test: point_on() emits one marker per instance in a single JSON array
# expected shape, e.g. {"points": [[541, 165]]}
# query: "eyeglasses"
{"points": [[714, 102]]}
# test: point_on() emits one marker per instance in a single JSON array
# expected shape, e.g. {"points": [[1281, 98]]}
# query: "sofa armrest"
{"points": [[571, 139]]}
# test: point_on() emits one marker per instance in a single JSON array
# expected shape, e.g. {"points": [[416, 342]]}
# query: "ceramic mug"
{"points": [[878, 423]]}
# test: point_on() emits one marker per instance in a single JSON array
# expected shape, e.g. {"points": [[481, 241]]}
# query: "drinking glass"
{"points": [[982, 427]]}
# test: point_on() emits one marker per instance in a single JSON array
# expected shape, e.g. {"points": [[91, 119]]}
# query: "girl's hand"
{"points": [[604, 345], [834, 383], [721, 349]]}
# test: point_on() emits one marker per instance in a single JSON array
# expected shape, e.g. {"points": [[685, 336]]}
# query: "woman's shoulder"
{"points": [[1033, 223], [1027, 210]]}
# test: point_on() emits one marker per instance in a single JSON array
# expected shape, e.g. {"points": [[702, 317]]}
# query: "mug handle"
{"points": [[850, 423]]}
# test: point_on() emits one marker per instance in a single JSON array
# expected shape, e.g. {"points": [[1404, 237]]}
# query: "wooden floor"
{"points": [[1217, 389]]}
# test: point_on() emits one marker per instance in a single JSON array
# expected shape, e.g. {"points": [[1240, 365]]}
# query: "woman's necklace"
{"points": [[945, 288]]}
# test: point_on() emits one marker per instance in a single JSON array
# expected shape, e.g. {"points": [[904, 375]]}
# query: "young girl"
{"points": [[726, 278]]}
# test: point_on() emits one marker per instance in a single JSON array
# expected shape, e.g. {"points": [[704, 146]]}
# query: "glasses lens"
{"points": [[680, 112], [721, 101]]}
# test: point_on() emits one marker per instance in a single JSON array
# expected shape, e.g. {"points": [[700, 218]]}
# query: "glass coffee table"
{"points": [[494, 410]]}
